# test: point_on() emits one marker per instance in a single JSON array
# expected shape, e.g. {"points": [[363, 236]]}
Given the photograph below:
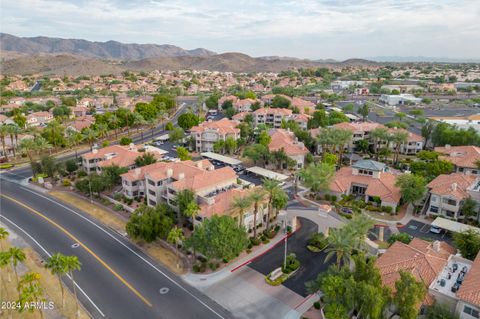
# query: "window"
{"points": [[471, 311], [159, 183], [151, 192], [434, 209], [474, 172], [151, 182], [134, 183], [450, 201], [152, 202]]}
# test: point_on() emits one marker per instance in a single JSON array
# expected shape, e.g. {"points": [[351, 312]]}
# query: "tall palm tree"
{"points": [[102, 130], [71, 264], [90, 135], [16, 255], [13, 131], [256, 198], [398, 138], [3, 135], [174, 237], [378, 135], [5, 263], [341, 138], [56, 265], [27, 146], [241, 204], [113, 121], [271, 186], [340, 244]]}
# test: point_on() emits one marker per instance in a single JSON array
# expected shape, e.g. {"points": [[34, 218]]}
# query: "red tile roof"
{"points": [[418, 258], [470, 289], [383, 187], [461, 156], [285, 139], [452, 184]]}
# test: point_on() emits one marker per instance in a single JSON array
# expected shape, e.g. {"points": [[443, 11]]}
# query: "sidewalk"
{"points": [[205, 280]]}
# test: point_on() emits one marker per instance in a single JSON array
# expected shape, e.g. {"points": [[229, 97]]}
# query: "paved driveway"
{"points": [[421, 230], [311, 263]]}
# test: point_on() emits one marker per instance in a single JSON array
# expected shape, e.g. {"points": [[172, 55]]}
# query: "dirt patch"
{"points": [[118, 222]]}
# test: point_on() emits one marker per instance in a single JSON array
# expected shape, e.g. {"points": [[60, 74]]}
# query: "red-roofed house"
{"points": [[287, 141], [122, 156], [424, 260], [39, 118], [468, 306], [207, 133], [447, 193], [367, 179], [463, 157]]}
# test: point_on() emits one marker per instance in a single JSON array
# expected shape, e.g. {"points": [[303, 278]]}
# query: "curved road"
{"points": [[117, 280]]}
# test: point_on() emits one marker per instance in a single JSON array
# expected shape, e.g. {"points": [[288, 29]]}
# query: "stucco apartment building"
{"points": [[271, 116], [450, 279], [368, 180], [215, 189], [448, 192], [286, 140], [362, 130], [207, 133], [463, 122], [122, 156], [463, 157]]}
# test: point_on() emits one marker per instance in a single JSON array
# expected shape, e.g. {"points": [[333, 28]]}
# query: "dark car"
{"points": [[346, 210]]}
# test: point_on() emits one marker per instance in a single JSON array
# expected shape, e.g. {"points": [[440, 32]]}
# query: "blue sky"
{"points": [[337, 29]]}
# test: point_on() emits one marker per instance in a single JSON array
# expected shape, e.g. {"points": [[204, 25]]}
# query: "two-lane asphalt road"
{"points": [[117, 279]]}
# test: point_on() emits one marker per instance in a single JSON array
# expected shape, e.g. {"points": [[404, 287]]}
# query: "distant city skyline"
{"points": [[303, 29]]}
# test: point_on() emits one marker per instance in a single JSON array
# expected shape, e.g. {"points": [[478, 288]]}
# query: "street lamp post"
{"points": [[90, 187], [284, 213]]}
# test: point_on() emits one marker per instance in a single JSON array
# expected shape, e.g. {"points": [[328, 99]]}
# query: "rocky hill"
{"points": [[112, 50]]}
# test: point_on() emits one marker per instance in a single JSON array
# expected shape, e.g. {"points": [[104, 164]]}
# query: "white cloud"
{"points": [[327, 28]]}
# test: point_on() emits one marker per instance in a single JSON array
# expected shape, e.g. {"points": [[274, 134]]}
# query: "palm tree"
{"points": [[3, 134], [378, 135], [341, 139], [4, 263], [31, 291], [28, 146], [90, 135], [174, 237], [42, 145], [102, 130], [3, 236], [242, 204], [271, 186], [113, 122], [72, 263], [13, 131], [341, 245], [16, 255], [56, 265], [138, 120], [398, 138], [256, 197]]}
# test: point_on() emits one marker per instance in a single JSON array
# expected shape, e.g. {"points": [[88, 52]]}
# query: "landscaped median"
{"points": [[281, 274], [116, 221]]}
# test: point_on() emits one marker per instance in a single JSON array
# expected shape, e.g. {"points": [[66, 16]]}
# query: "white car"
{"points": [[435, 230]]}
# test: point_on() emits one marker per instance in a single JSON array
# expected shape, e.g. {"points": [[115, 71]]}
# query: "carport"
{"points": [[260, 171], [221, 158], [453, 226]]}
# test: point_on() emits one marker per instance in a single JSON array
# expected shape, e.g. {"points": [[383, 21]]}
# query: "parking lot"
{"points": [[421, 230], [311, 263]]}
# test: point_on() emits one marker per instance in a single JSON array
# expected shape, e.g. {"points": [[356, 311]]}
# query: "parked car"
{"points": [[435, 230], [346, 210]]}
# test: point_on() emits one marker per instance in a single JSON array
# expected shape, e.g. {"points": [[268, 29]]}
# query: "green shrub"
{"points": [[292, 264], [255, 241], [277, 228], [318, 240], [213, 266], [316, 305], [333, 198], [250, 245], [327, 197], [248, 250], [66, 182], [117, 207], [81, 174], [125, 141], [199, 267], [6, 166], [387, 209], [118, 196], [225, 260]]}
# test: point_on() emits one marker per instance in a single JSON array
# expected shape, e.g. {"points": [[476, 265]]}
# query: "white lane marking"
{"points": [[131, 250], [49, 255]]}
